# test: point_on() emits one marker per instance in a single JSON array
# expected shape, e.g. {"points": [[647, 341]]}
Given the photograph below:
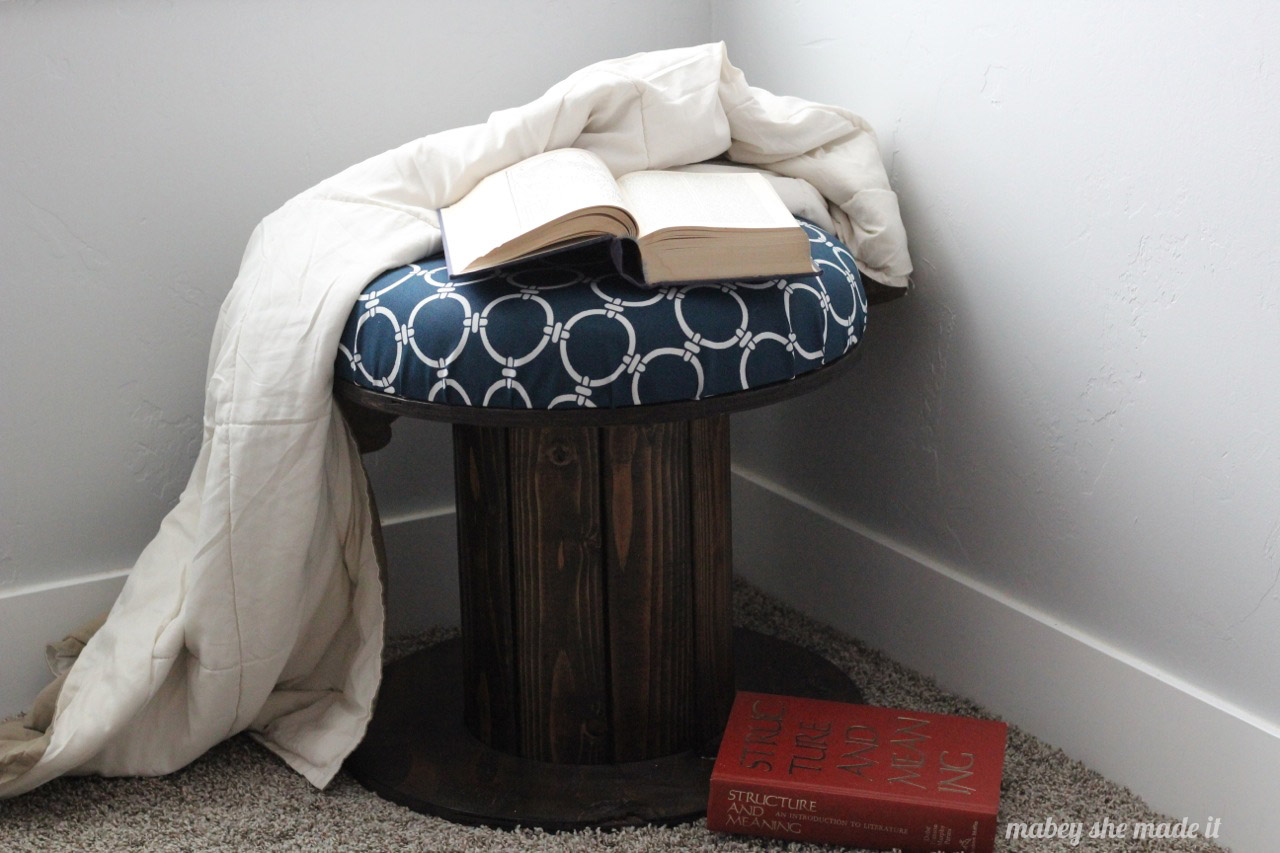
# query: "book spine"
{"points": [[752, 807]]}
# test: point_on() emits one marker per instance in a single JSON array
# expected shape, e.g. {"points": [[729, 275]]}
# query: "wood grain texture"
{"points": [[558, 595], [712, 551], [484, 577], [418, 753], [649, 582]]}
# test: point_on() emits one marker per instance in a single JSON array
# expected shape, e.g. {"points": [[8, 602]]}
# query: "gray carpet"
{"points": [[240, 797]]}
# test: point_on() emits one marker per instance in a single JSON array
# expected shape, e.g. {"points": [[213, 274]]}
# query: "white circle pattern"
{"points": [[593, 339]]}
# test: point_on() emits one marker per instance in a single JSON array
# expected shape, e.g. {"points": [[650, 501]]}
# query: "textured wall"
{"points": [[140, 142], [1079, 405]]}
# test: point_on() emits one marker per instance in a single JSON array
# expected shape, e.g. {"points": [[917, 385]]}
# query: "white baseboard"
{"points": [[422, 564], [1183, 750], [423, 592], [32, 617]]}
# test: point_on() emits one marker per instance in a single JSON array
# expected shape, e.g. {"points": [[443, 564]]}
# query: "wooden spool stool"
{"points": [[598, 660]]}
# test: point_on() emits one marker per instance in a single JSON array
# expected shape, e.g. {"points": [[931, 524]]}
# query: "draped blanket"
{"points": [[258, 605]]}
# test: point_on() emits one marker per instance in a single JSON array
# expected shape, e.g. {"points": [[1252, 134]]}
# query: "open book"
{"points": [[688, 226]]}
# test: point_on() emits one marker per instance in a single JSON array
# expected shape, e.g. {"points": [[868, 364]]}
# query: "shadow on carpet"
{"points": [[241, 797]]}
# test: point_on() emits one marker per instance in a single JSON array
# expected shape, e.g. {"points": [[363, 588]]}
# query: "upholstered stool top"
{"points": [[569, 332]]}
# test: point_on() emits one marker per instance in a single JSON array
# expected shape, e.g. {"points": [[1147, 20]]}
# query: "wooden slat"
{"points": [[558, 594], [712, 571], [649, 582], [484, 574]]}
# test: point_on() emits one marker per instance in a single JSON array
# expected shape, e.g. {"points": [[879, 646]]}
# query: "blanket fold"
{"points": [[258, 605]]}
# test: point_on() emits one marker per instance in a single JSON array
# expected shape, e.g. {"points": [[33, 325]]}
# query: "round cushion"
{"points": [[568, 331]]}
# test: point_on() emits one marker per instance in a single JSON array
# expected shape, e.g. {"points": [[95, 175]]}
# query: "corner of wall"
{"points": [[1016, 661]]}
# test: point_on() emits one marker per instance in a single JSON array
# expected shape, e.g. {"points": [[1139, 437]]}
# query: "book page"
{"points": [[702, 200], [520, 198]]}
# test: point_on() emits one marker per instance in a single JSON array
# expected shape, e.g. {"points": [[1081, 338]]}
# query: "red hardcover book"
{"points": [[809, 770]]}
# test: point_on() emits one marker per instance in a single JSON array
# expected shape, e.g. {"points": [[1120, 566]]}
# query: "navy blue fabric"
{"points": [[568, 331]]}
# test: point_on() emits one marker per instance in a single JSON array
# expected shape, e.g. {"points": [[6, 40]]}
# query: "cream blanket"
{"points": [[258, 605]]}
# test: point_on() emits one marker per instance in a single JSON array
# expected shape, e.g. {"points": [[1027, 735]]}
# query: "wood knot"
{"points": [[559, 455]]}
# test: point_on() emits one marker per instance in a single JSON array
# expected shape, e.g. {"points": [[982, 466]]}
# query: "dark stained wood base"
{"points": [[419, 753], [595, 583]]}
